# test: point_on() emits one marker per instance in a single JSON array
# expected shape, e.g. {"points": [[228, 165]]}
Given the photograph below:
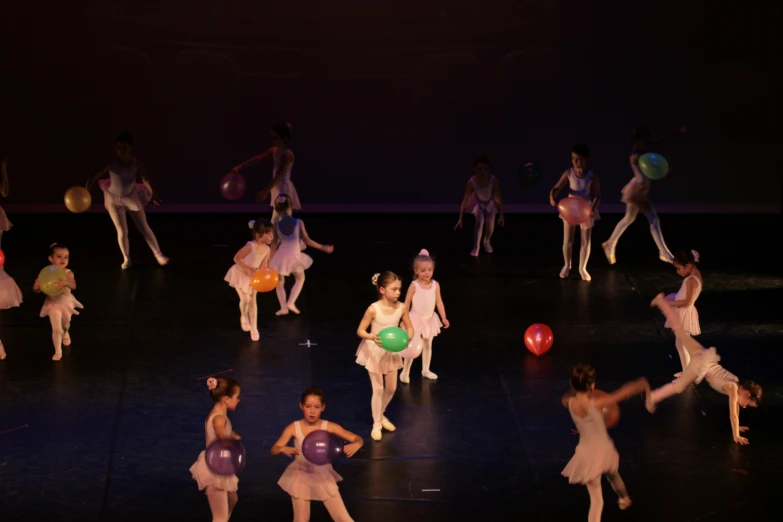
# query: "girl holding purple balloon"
{"points": [[382, 365], [311, 476], [221, 490]]}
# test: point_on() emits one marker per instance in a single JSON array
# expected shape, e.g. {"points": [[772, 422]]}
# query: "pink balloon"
{"points": [[414, 348], [539, 338], [233, 186], [575, 210]]}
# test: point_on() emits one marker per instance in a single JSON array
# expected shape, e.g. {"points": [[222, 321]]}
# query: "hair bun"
{"points": [[211, 383], [424, 252], [695, 255], [251, 223], [375, 279]]}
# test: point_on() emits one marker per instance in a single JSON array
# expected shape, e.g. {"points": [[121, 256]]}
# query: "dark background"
{"points": [[390, 101]]}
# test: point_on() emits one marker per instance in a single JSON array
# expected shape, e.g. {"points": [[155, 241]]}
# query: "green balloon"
{"points": [[49, 277], [654, 166], [393, 339]]}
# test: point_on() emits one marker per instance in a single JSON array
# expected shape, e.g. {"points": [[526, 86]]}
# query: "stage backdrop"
{"points": [[391, 101]]}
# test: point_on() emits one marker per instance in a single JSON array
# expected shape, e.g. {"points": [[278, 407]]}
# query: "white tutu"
{"points": [[10, 294]]}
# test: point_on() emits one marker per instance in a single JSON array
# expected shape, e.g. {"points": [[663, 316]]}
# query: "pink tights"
{"points": [[597, 496], [221, 502], [334, 506], [381, 396]]}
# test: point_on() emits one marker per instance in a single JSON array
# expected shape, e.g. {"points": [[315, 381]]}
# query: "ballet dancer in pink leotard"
{"points": [[483, 199]]}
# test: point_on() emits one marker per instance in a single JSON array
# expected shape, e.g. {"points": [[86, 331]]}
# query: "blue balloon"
{"points": [[226, 457]]}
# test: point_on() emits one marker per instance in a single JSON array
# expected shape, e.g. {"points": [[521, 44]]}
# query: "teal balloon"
{"points": [[49, 277], [654, 166], [393, 339]]}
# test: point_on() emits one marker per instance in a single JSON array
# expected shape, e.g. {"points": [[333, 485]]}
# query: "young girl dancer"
{"points": [[251, 257], [635, 196], [221, 490], [5, 224], [283, 160], [306, 481], [289, 258], [380, 364], [424, 295], [684, 302], [122, 194], [482, 198], [704, 365], [595, 454], [60, 307], [10, 297], [582, 183]]}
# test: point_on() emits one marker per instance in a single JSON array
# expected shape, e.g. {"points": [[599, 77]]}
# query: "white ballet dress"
{"points": [[121, 190], [425, 321], [10, 294], [285, 186], [65, 302], [201, 472], [581, 188], [305, 480], [689, 316], [372, 356], [289, 257], [482, 200], [236, 277], [595, 454]]}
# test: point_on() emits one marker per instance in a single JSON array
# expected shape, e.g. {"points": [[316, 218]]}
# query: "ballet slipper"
{"points": [[387, 425]]}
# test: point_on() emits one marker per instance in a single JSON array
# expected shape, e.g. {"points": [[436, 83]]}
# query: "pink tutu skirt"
{"points": [[310, 482], [426, 328], [376, 359], [591, 461], [689, 319], [237, 278], [65, 303], [138, 198], [10, 295], [205, 477], [635, 192], [5, 224], [286, 262]]}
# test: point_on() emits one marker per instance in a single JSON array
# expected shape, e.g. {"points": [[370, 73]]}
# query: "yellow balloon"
{"points": [[77, 199], [49, 277]]}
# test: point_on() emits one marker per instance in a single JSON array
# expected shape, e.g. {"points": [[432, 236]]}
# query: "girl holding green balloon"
{"points": [[56, 281], [380, 347]]}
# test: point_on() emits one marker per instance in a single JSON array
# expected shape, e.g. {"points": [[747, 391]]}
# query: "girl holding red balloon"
{"points": [[289, 259], [122, 195], [422, 298], [582, 210], [57, 281], [221, 489], [311, 475], [595, 455], [635, 196], [249, 258], [482, 199], [382, 364], [283, 160]]}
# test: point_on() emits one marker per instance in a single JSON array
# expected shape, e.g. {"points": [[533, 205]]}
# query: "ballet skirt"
{"points": [[305, 480], [66, 303], [202, 474], [285, 186], [289, 257], [10, 294], [374, 358], [703, 361], [689, 316], [120, 190], [5, 223], [580, 188], [426, 322], [236, 277], [595, 455], [481, 200]]}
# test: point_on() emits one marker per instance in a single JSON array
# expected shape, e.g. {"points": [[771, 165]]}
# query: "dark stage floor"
{"points": [[112, 429]]}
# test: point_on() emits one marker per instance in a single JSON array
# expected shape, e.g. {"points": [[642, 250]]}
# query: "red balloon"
{"points": [[575, 210], [539, 338], [233, 186], [2, 259], [611, 413]]}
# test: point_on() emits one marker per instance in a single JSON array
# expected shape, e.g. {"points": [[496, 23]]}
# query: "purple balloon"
{"points": [[233, 186], [226, 457], [321, 447]]}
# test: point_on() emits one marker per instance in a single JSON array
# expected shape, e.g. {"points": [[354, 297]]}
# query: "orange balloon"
{"points": [[575, 210], [611, 413], [264, 280], [539, 338], [77, 199]]}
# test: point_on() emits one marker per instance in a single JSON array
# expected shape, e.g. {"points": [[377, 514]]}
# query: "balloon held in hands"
{"points": [[226, 457], [575, 210], [321, 447], [264, 280], [393, 339], [49, 277]]}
